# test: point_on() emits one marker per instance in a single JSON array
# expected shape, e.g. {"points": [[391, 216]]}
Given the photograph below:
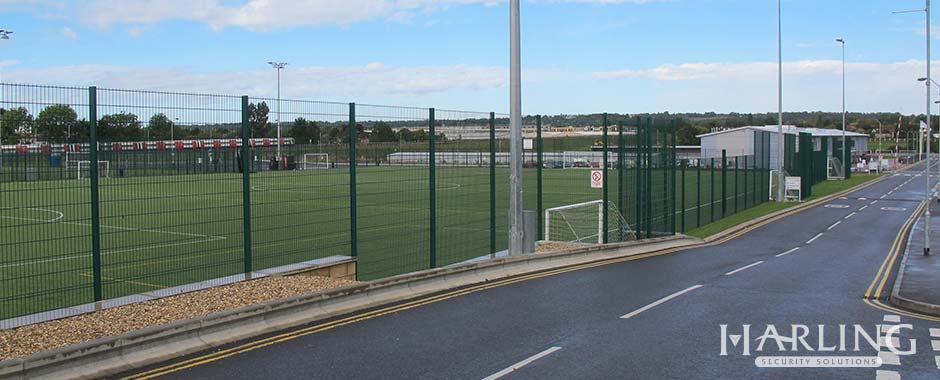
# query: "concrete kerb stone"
{"points": [[159, 343], [903, 302]]}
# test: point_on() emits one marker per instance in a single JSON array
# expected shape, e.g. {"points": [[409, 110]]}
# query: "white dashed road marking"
{"points": [[935, 333], [660, 302], [814, 238], [849, 215], [893, 318], [788, 252], [834, 225], [522, 363], [744, 268], [887, 375]]}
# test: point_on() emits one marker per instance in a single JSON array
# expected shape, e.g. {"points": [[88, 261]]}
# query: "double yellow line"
{"points": [[878, 285], [253, 345]]}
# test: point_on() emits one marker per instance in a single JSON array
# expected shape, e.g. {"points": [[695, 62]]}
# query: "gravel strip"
{"points": [[556, 246], [31, 339]]}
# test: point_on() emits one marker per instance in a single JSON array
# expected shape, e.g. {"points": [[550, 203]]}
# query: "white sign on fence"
{"points": [[527, 144], [794, 188], [597, 179]]}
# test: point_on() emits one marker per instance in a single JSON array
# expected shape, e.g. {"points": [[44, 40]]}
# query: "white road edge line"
{"points": [[834, 225], [660, 302], [788, 252], [810, 241], [521, 364], [744, 268]]}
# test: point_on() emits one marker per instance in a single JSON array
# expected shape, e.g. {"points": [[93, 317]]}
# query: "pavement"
{"points": [[918, 281], [789, 294]]}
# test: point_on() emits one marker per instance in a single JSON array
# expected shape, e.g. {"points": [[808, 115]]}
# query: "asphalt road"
{"points": [[570, 325]]}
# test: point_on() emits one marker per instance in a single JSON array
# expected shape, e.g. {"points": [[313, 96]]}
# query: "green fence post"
{"points": [[712, 193], [433, 188], [95, 202], [353, 238], [493, 184], [538, 178], [672, 187], [605, 207], [246, 190], [637, 181], [649, 178], [736, 195], [724, 183], [698, 194], [620, 178], [682, 202], [745, 183]]}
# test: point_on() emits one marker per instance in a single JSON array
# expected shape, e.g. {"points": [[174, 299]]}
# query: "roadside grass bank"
{"points": [[820, 190]]}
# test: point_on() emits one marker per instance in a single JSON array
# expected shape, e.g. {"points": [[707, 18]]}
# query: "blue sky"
{"points": [[578, 55]]}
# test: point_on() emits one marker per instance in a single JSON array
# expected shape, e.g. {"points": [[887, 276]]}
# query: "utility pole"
{"points": [[845, 154], [515, 132], [4, 35]]}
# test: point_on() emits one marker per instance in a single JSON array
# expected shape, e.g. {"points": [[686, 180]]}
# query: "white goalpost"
{"points": [[316, 161], [84, 169], [584, 223]]}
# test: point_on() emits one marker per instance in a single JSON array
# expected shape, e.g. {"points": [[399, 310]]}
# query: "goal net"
{"points": [[584, 223], [316, 161], [84, 169]]}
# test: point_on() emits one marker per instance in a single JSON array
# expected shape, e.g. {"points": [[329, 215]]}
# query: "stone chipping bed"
{"points": [[27, 340]]}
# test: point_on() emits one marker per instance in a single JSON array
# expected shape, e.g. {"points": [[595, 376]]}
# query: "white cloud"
{"points": [[69, 33], [374, 80], [256, 14], [752, 86]]}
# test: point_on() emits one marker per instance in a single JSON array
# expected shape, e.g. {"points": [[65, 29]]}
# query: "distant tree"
{"points": [[344, 133], [119, 127], [15, 124], [258, 119], [334, 135], [54, 123], [405, 134], [382, 132], [686, 134], [305, 132], [159, 127]]}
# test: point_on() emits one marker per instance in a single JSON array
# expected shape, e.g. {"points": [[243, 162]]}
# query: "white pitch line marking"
{"points": [[935, 333], [834, 225], [887, 375], [814, 238], [892, 318], [849, 215], [888, 357], [660, 302], [521, 364], [788, 252], [744, 268]]}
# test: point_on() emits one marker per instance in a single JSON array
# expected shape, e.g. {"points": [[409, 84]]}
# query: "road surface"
{"points": [[653, 318]]}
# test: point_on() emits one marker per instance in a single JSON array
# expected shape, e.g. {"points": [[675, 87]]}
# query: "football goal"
{"points": [[84, 169], [316, 161], [584, 223]]}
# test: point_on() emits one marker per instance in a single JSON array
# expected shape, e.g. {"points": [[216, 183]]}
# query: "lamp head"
{"points": [[922, 79], [840, 40]]}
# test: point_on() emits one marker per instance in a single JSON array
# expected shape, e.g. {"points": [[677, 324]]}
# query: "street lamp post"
{"points": [[278, 66], [927, 81], [845, 154], [780, 177], [515, 132]]}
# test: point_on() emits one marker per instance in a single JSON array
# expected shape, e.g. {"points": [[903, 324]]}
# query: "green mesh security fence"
{"points": [[111, 196]]}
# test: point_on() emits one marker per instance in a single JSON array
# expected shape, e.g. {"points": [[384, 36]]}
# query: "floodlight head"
{"points": [[5, 34], [277, 65], [921, 79], [840, 40]]}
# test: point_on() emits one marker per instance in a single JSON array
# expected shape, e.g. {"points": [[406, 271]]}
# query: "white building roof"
{"points": [[791, 130]]}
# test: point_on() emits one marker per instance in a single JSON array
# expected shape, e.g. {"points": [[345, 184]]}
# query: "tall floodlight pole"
{"points": [[4, 35], [927, 147], [515, 132], [845, 153], [780, 177], [278, 66]]}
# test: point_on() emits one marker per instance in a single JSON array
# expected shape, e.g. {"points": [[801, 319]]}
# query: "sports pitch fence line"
{"points": [[159, 216]]}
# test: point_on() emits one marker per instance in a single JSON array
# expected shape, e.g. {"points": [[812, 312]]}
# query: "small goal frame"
{"points": [[82, 163], [600, 217], [326, 161]]}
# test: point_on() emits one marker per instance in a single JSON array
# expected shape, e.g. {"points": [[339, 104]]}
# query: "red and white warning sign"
{"points": [[597, 179]]}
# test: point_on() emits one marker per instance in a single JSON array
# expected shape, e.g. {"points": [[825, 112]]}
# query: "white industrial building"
{"points": [[740, 141]]}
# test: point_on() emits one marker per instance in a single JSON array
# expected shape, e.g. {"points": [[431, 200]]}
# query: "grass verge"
{"points": [[820, 190]]}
